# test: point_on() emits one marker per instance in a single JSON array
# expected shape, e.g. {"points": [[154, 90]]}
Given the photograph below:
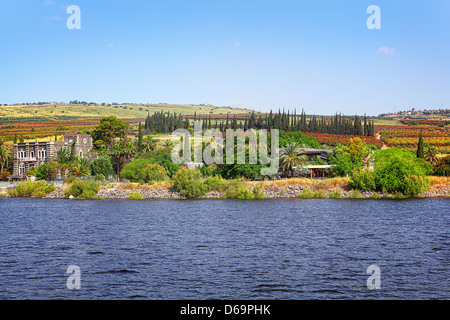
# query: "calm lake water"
{"points": [[221, 249]]}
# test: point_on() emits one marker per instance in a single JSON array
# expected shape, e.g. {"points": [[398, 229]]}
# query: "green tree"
{"points": [[190, 183], [357, 151], [149, 144], [121, 153], [342, 164], [420, 152], [155, 172], [140, 139], [431, 155], [109, 129], [102, 166], [291, 157], [393, 165], [135, 170], [5, 155]]}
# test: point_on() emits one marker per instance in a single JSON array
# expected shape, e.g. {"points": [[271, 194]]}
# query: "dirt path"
{"points": [[378, 137]]}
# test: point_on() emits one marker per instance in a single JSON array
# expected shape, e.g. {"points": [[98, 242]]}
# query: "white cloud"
{"points": [[387, 51]]}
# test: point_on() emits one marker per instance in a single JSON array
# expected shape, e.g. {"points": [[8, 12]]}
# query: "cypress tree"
{"points": [[420, 153], [140, 136]]}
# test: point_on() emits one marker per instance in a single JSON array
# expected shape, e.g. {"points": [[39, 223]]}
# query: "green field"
{"points": [[123, 111]]}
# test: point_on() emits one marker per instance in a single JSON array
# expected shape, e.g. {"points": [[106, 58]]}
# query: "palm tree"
{"points": [[168, 144], [5, 154], [121, 153], [80, 170], [63, 158], [291, 157], [149, 144], [431, 155]]}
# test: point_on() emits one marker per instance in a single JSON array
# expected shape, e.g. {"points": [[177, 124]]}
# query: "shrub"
{"points": [[189, 182], [245, 194], [337, 194], [355, 194], [375, 196], [4, 176], [362, 179], [206, 171], [134, 170], [393, 165], [216, 183], [102, 166], [442, 168], [414, 185], [135, 196], [236, 189], [83, 189], [258, 192], [99, 177], [155, 172], [306, 194], [35, 189], [319, 194]]}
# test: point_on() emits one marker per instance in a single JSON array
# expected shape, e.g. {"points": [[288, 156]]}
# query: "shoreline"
{"points": [[288, 192], [281, 189]]}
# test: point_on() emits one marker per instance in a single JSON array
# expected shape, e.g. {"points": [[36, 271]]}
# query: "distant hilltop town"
{"points": [[444, 113]]}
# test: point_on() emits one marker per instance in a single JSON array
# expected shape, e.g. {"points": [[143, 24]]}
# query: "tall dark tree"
{"points": [[420, 152]]}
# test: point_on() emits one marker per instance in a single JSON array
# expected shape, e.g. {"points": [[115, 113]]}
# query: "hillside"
{"points": [[13, 113], [40, 121]]}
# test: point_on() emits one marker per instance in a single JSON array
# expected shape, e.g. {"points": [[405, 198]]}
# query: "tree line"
{"points": [[166, 122]]}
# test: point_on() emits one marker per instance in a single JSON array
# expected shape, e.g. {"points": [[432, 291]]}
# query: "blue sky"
{"points": [[316, 55]]}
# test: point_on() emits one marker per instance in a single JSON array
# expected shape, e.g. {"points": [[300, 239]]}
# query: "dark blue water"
{"points": [[270, 249]]}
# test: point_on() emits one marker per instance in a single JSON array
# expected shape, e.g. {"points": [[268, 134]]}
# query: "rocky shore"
{"points": [[270, 192]]}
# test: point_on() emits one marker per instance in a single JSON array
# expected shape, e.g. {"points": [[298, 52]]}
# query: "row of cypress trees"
{"points": [[166, 122]]}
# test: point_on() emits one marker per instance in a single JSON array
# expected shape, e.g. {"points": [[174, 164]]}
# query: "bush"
{"points": [[258, 192], [83, 189], [189, 182], [355, 194], [206, 171], [306, 194], [164, 158], [335, 194], [155, 172], [393, 166], [35, 189], [99, 177], [102, 166], [134, 170], [233, 189], [414, 185], [135, 196], [4, 176], [216, 183], [442, 168], [363, 179]]}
